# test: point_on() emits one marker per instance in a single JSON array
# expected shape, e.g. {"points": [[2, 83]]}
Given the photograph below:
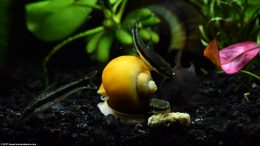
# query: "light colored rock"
{"points": [[168, 118]]}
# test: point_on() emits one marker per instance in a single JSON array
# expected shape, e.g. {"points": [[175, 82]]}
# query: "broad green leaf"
{"points": [[54, 20], [112, 1]]}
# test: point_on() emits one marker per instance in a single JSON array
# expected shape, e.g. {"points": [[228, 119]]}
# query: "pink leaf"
{"points": [[233, 58]]}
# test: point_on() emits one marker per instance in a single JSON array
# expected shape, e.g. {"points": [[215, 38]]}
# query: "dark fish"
{"points": [[49, 98], [153, 60], [181, 89]]}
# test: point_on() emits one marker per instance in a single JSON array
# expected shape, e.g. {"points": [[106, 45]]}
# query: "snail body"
{"points": [[127, 82]]}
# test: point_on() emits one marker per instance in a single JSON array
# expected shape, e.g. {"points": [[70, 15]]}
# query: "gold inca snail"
{"points": [[127, 81]]}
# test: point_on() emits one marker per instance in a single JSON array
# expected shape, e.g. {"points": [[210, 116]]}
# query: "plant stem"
{"points": [[62, 44], [114, 9], [120, 12], [250, 74]]}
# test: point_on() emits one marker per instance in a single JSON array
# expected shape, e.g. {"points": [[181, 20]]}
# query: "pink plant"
{"points": [[232, 58]]}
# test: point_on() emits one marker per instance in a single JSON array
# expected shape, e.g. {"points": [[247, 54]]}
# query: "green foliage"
{"points": [[231, 20], [93, 42], [54, 20], [127, 39], [103, 47], [119, 30], [148, 35]]}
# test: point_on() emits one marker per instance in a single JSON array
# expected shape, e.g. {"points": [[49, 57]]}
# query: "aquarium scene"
{"points": [[130, 72]]}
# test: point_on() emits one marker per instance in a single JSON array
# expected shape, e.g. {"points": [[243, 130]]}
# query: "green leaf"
{"points": [[112, 1], [93, 42], [137, 14], [152, 20], [123, 36], [54, 20], [154, 36], [149, 35], [103, 50]]}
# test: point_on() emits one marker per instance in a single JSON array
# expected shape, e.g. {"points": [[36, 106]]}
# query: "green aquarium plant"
{"points": [[231, 21], [234, 26], [58, 20]]}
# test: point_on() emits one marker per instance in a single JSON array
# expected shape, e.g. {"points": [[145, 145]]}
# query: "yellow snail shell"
{"points": [[127, 82]]}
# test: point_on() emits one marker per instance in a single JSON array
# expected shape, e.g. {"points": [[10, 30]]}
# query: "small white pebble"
{"points": [[254, 85], [168, 118]]}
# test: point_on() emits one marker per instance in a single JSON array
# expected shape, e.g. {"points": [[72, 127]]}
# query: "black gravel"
{"points": [[220, 114]]}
